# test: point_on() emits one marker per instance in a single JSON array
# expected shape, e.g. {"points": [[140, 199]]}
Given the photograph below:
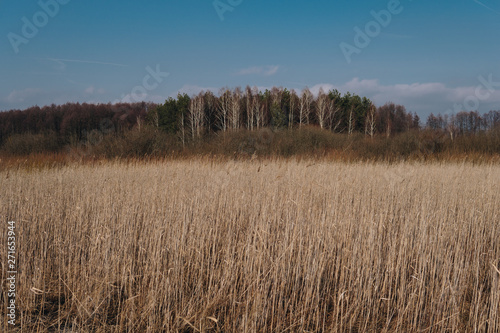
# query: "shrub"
{"points": [[25, 144]]}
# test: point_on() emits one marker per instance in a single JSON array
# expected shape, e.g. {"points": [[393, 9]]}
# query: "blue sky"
{"points": [[431, 56]]}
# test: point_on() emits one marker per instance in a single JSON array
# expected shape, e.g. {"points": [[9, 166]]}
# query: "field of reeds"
{"points": [[254, 246]]}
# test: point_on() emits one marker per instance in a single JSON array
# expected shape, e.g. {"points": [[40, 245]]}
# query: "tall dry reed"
{"points": [[263, 246]]}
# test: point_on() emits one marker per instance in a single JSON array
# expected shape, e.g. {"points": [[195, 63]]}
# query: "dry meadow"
{"points": [[255, 246]]}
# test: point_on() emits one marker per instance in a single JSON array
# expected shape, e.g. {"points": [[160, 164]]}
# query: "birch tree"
{"points": [[322, 108], [370, 125], [305, 107], [259, 109], [293, 105], [450, 125], [333, 110], [276, 94], [235, 110], [351, 121], [196, 115]]}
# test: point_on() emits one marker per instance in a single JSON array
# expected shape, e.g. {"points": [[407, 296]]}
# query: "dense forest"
{"points": [[186, 122]]}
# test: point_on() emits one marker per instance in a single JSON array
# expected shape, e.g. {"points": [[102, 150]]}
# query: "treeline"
{"points": [[464, 123], [72, 120], [279, 108], [204, 113], [312, 123]]}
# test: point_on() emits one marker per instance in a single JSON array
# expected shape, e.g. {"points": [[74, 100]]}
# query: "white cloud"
{"points": [[93, 91], [422, 98], [22, 96], [192, 90], [129, 98], [259, 70], [315, 89]]}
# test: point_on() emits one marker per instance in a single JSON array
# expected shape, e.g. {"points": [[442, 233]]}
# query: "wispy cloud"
{"points": [[486, 6], [91, 90], [259, 70], [63, 62]]}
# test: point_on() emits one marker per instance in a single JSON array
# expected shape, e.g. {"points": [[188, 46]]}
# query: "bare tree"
{"points": [[293, 104], [259, 109], [450, 125], [351, 122], [322, 108], [155, 118], [191, 113], [305, 107], [196, 115], [370, 125], [333, 112], [183, 130], [235, 111], [276, 95]]}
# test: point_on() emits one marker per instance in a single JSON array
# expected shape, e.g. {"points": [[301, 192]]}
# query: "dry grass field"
{"points": [[255, 246]]}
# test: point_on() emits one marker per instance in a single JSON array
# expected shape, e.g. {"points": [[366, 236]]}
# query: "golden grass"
{"points": [[262, 246]]}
